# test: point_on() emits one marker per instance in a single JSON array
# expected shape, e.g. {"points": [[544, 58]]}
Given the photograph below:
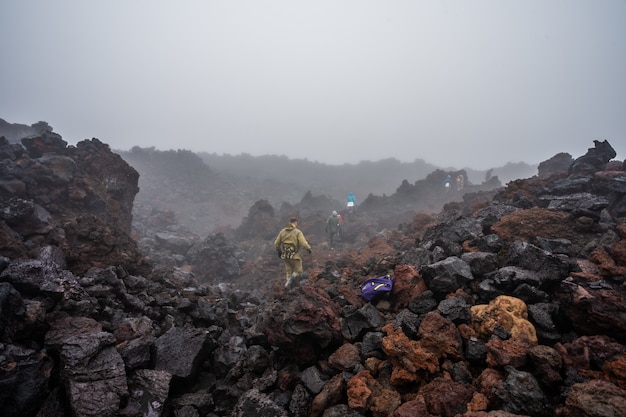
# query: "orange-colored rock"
{"points": [[466, 331], [606, 264], [509, 312], [372, 364], [615, 370], [479, 402], [407, 356], [359, 392], [618, 252]]}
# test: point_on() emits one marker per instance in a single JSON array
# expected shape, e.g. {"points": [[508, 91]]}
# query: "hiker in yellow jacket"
{"points": [[288, 244]]}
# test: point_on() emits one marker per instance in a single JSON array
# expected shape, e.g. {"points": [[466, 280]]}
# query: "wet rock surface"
{"points": [[510, 302]]}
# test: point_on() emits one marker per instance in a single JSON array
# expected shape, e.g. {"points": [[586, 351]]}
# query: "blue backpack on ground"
{"points": [[373, 288]]}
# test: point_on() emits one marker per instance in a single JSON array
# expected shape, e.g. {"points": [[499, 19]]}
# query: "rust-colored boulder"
{"points": [[594, 307], [305, 325], [528, 224], [488, 383], [593, 398], [511, 352], [605, 262], [345, 358], [618, 253], [446, 398], [594, 357], [615, 370], [407, 285], [412, 408], [360, 390], [440, 336], [410, 360]]}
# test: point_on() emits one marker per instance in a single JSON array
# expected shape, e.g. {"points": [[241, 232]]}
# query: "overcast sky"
{"points": [[456, 83]]}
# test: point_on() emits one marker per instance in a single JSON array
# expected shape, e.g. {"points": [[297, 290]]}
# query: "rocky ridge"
{"points": [[509, 302]]}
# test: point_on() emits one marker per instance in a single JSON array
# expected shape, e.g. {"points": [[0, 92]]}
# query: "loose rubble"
{"points": [[508, 303]]}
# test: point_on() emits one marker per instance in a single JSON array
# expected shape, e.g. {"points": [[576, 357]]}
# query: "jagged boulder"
{"points": [[78, 198], [594, 160], [306, 325]]}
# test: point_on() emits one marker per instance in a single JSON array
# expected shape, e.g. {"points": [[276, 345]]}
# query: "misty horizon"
{"points": [[452, 83]]}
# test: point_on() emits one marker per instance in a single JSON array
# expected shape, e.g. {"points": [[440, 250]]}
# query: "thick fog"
{"points": [[455, 83]]}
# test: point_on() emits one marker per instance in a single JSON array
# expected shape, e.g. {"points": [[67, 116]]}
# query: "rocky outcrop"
{"points": [[77, 198], [509, 302]]}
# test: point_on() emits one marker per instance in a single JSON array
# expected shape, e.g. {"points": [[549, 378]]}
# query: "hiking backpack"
{"points": [[373, 288]]}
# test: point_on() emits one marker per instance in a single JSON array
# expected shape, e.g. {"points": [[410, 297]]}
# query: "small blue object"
{"points": [[373, 288]]}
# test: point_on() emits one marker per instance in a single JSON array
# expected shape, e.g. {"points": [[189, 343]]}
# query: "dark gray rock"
{"points": [[354, 325], [216, 259], [180, 351], [475, 351], [313, 379], [256, 404], [530, 294], [341, 410], [455, 309], [299, 402], [481, 263], [508, 278], [94, 374], [409, 322], [24, 379], [149, 389], [423, 303], [543, 316], [551, 268], [229, 353], [446, 276], [43, 278], [594, 160], [372, 345], [521, 394]]}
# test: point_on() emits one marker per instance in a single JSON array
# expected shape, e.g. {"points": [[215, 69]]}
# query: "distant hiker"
{"points": [[340, 217], [333, 225], [351, 202], [447, 183], [459, 182], [288, 244]]}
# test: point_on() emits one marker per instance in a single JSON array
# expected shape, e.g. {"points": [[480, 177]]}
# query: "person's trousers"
{"points": [[291, 266], [332, 239]]}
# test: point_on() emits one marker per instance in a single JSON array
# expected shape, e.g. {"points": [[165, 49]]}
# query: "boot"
{"points": [[291, 280]]}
